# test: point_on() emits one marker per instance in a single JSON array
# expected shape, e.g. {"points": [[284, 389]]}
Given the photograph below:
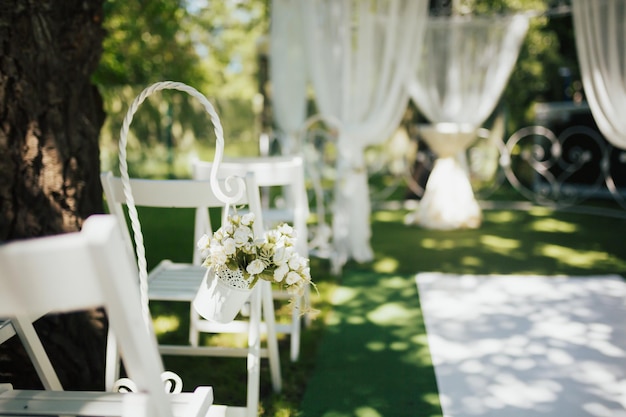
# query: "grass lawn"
{"points": [[538, 241]]}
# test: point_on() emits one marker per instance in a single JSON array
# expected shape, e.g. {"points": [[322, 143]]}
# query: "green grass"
{"points": [[538, 241]]}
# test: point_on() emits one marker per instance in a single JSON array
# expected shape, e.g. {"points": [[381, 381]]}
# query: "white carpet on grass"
{"points": [[510, 346]]}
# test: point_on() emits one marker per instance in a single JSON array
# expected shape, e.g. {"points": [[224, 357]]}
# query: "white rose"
{"points": [[285, 229], [280, 272], [218, 257], [227, 229], [203, 246], [229, 246], [272, 236], [203, 242], [280, 255], [241, 235], [247, 219], [296, 261], [292, 277], [255, 267]]}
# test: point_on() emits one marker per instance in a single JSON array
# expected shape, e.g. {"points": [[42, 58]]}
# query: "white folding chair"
{"points": [[286, 175], [23, 328], [176, 281], [83, 270]]}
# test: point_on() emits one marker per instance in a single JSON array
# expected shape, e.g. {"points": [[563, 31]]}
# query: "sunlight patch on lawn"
{"points": [[399, 346], [432, 398], [355, 320], [389, 313], [499, 245], [343, 295], [165, 324], [500, 216], [396, 282], [471, 261], [366, 412], [541, 211], [581, 259], [438, 243], [386, 265], [376, 346], [388, 216], [554, 225]]}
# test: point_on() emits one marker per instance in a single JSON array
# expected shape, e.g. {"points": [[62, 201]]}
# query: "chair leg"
{"points": [[112, 362], [272, 338], [194, 334], [29, 338], [254, 354], [295, 330]]}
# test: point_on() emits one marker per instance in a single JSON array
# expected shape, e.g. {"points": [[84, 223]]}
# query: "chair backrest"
{"points": [[286, 172], [83, 270], [196, 194]]}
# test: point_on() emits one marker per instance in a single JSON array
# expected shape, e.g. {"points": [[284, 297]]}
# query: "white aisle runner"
{"points": [[513, 346]]}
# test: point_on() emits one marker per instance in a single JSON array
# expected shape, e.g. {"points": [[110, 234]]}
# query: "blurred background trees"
{"points": [[210, 45]]}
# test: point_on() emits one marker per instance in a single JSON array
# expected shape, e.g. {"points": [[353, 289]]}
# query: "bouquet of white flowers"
{"points": [[272, 257]]}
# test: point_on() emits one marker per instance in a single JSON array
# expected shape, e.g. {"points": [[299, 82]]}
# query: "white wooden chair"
{"points": [[23, 328], [83, 270], [285, 173], [175, 281]]}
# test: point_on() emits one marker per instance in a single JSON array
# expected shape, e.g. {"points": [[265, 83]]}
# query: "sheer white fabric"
{"points": [[465, 65], [361, 54], [288, 73], [600, 31]]}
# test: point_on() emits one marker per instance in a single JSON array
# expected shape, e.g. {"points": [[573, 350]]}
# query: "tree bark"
{"points": [[50, 119]]}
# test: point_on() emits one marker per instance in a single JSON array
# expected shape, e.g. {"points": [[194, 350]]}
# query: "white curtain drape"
{"points": [[288, 72], [465, 65], [360, 55], [600, 33]]}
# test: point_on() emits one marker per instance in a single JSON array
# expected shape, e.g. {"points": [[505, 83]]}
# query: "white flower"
{"points": [[292, 277], [296, 262], [228, 229], [280, 272], [281, 255], [204, 242], [256, 267], [285, 229], [229, 246], [247, 219], [272, 236], [203, 246], [218, 257], [270, 257], [241, 235]]}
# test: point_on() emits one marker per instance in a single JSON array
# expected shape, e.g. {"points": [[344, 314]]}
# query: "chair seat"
{"points": [[85, 403], [170, 281]]}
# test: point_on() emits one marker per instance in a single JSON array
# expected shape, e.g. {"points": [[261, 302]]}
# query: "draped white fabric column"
{"points": [[288, 73], [600, 33], [465, 65], [360, 54]]}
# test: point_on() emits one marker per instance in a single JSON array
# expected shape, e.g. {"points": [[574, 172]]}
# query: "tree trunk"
{"points": [[50, 119]]}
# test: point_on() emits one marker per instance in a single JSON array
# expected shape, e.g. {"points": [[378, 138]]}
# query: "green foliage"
{"points": [[211, 46], [147, 41]]}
